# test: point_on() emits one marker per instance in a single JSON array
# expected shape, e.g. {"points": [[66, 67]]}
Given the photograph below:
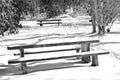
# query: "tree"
{"points": [[10, 15], [7, 17], [105, 12]]}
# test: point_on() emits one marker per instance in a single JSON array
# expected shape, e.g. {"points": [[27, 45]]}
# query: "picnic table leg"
{"points": [[58, 22], [41, 23], [85, 47], [77, 51], [23, 64], [94, 60]]}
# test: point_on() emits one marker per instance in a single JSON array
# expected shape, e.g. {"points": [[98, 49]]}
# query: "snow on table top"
{"points": [[65, 40]]}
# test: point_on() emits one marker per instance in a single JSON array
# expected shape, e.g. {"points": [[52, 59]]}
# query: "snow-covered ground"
{"points": [[109, 65]]}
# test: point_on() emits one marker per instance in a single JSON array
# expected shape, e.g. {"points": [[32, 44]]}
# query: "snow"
{"points": [[63, 69]]}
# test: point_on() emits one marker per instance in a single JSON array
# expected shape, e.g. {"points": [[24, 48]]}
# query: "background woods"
{"points": [[103, 12]]}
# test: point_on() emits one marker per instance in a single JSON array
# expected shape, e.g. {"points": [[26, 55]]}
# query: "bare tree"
{"points": [[104, 12]]}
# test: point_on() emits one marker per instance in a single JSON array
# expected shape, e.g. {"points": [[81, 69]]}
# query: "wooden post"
{"points": [[85, 47], [77, 51], [94, 60], [58, 22], [23, 64], [41, 23]]}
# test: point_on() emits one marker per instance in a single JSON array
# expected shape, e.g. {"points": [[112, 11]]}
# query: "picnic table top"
{"points": [[49, 20], [57, 42]]}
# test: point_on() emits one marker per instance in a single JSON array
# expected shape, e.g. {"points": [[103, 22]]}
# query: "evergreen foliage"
{"points": [[7, 17], [10, 15]]}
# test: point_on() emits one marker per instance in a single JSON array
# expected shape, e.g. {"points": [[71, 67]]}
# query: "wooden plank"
{"points": [[54, 44], [49, 20], [59, 57], [50, 23], [49, 51]]}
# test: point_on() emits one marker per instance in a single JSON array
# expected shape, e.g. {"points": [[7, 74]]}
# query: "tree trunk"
{"points": [[93, 23], [101, 29], [92, 4]]}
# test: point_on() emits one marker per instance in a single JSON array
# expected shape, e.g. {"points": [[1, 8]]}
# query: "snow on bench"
{"points": [[83, 44]]}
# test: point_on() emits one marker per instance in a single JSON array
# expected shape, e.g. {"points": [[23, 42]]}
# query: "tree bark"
{"points": [[101, 29], [93, 23], [93, 17]]}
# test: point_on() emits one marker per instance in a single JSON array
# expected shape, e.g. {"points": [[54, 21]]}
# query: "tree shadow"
{"points": [[104, 43], [83, 23], [31, 37], [47, 37], [85, 18], [41, 38], [113, 33], [62, 36]]}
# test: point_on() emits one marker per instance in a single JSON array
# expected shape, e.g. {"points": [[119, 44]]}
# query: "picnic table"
{"points": [[79, 45], [49, 21]]}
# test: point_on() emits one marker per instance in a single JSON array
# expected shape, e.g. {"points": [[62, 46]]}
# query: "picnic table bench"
{"points": [[77, 45], [49, 21]]}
